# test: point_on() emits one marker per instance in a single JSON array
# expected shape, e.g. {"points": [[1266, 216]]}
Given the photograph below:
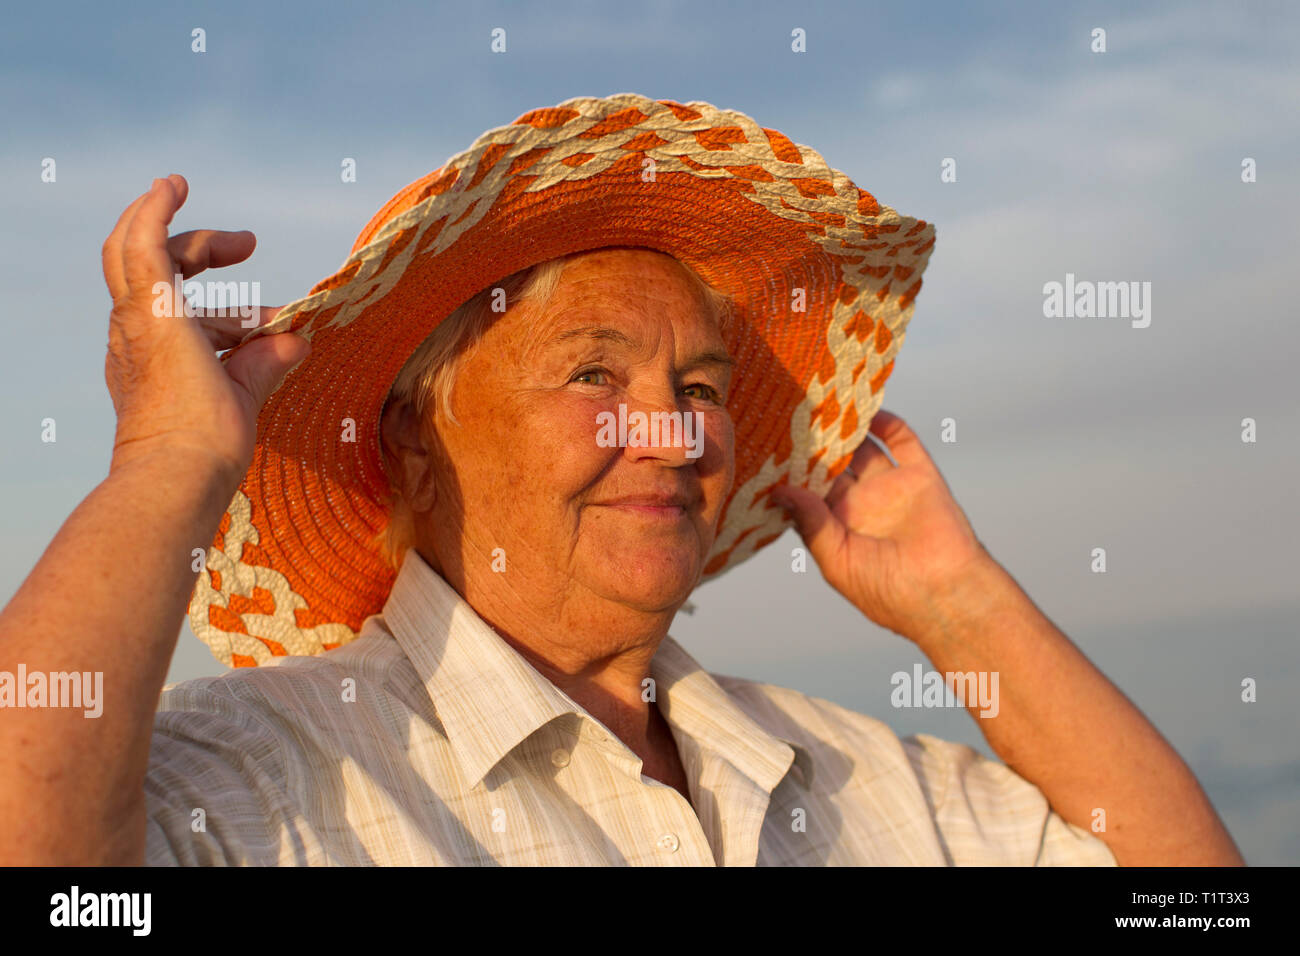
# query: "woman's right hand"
{"points": [[173, 396]]}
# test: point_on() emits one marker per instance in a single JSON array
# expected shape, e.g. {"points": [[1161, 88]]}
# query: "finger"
{"points": [[867, 461], [201, 249], [226, 329], [870, 459], [114, 273], [841, 486], [180, 185], [902, 442], [144, 247], [261, 364], [821, 531]]}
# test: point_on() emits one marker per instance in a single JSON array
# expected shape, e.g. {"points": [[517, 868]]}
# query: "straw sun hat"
{"points": [[294, 568]]}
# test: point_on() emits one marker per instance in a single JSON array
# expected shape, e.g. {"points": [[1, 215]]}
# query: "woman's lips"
{"points": [[661, 512]]}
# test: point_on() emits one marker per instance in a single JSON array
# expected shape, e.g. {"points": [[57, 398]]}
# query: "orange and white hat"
{"points": [[823, 277]]}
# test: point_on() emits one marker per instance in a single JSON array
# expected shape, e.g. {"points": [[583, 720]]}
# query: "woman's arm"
{"points": [[894, 542], [107, 596], [110, 591], [1061, 725]]}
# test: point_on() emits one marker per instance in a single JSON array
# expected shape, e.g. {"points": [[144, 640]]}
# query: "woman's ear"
{"points": [[406, 456]]}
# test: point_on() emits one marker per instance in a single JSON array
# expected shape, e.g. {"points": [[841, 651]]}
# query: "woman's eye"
{"points": [[710, 393], [595, 370]]}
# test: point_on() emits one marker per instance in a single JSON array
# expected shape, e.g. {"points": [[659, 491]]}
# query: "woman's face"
{"points": [[530, 470]]}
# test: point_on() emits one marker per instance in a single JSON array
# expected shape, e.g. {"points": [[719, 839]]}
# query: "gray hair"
{"points": [[429, 375]]}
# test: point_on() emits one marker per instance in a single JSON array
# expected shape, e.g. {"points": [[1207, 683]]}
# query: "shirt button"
{"points": [[560, 758], [669, 842]]}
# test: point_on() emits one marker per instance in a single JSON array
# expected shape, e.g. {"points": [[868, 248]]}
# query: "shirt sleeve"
{"points": [[987, 815], [217, 788]]}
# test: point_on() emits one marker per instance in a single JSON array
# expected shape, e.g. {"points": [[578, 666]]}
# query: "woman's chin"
{"points": [[648, 581]]}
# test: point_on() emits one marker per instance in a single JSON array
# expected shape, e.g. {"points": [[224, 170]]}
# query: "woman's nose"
{"points": [[661, 424]]}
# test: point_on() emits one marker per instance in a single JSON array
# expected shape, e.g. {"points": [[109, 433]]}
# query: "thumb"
{"points": [[262, 363], [822, 532]]}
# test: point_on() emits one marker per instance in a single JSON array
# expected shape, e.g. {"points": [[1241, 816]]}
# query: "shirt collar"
{"points": [[490, 699], [698, 708]]}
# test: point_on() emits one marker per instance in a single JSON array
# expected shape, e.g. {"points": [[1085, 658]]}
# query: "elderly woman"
{"points": [[450, 598]]}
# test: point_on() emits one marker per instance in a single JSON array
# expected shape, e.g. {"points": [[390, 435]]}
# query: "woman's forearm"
{"points": [[107, 596], [1063, 726]]}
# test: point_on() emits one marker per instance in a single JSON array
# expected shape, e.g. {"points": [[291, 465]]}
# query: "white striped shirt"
{"points": [[429, 740]]}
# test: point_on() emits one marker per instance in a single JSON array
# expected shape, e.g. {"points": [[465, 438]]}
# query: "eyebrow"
{"points": [[604, 333]]}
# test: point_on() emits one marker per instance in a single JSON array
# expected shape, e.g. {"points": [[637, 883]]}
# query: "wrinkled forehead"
{"points": [[627, 285]]}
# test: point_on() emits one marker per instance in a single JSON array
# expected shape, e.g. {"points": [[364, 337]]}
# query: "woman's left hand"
{"points": [[893, 541]]}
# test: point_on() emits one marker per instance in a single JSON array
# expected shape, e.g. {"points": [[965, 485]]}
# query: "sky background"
{"points": [[1072, 433]]}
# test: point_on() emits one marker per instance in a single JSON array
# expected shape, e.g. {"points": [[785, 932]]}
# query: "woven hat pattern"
{"points": [[292, 571]]}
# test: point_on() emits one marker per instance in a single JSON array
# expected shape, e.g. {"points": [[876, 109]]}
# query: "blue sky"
{"points": [[1072, 433]]}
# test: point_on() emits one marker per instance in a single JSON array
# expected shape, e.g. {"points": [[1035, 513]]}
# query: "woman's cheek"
{"points": [[573, 428], [721, 434]]}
